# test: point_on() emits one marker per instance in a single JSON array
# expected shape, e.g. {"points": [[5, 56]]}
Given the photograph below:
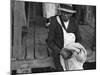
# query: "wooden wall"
{"points": [[19, 20], [88, 30], [31, 48]]}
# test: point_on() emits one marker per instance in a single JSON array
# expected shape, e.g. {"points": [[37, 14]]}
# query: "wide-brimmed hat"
{"points": [[66, 8]]}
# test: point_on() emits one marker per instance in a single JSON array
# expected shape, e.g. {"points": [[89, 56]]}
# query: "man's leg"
{"points": [[57, 63]]}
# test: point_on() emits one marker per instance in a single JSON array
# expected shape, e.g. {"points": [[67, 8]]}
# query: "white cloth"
{"points": [[79, 56], [68, 37], [66, 24], [50, 9]]}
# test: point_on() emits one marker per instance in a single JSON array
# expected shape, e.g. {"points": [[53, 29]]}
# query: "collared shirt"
{"points": [[66, 24]]}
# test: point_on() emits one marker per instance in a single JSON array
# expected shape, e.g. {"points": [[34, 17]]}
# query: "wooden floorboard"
{"points": [[35, 63]]}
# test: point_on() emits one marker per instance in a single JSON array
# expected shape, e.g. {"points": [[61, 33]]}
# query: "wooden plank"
{"points": [[17, 35], [90, 16], [19, 21], [17, 47], [29, 45], [30, 53], [40, 42], [91, 57], [88, 40], [86, 29], [18, 52], [19, 13], [87, 34], [47, 62]]}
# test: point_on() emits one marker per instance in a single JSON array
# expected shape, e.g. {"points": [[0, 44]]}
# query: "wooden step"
{"points": [[32, 63]]}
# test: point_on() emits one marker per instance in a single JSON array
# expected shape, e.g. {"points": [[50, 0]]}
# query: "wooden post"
{"points": [[19, 21], [40, 42]]}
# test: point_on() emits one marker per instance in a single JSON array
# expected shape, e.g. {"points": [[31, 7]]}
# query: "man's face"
{"points": [[65, 16]]}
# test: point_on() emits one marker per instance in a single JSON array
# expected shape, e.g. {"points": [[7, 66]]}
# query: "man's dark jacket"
{"points": [[55, 35]]}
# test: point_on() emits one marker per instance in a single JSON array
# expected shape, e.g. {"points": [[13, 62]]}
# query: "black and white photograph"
{"points": [[51, 37]]}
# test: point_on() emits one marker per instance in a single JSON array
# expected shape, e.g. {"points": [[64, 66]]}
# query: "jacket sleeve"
{"points": [[77, 33], [51, 38]]}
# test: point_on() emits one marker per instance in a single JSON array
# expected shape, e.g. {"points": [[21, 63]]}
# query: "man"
{"points": [[58, 27]]}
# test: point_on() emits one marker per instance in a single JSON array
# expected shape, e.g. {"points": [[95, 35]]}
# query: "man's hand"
{"points": [[65, 53]]}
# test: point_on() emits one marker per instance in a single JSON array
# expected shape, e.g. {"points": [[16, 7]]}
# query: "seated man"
{"points": [[63, 30]]}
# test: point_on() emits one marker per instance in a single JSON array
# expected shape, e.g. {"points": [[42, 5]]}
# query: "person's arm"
{"points": [[81, 56], [51, 39], [66, 53], [77, 33]]}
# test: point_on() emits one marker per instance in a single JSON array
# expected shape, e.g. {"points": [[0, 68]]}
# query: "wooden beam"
{"points": [[33, 63]]}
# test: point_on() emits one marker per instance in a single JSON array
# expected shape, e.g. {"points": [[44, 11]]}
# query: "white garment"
{"points": [[68, 37], [66, 24], [77, 60], [48, 7]]}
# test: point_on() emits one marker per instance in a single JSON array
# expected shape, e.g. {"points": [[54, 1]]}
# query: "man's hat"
{"points": [[66, 8]]}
